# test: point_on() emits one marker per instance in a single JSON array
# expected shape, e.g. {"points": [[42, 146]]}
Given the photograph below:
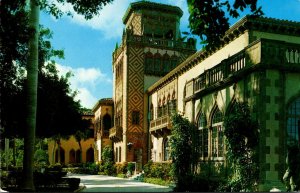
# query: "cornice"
{"points": [[265, 24], [103, 101], [146, 5]]}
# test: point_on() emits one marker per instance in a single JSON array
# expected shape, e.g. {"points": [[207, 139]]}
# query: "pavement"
{"points": [[101, 183]]}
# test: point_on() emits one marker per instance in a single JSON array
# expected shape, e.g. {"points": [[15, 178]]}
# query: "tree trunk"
{"points": [[14, 151], [80, 149], [53, 152], [58, 150], [31, 98]]}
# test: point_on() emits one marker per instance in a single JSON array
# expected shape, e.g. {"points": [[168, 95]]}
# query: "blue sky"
{"points": [[88, 45]]}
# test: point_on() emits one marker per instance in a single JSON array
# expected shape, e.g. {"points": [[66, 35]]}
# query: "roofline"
{"points": [[152, 6], [245, 23], [103, 101]]}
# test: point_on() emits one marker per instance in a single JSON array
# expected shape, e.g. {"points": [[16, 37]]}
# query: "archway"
{"points": [[72, 156], [90, 155]]}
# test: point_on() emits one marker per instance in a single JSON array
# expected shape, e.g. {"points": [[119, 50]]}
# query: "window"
{"points": [[157, 63], [149, 67], [90, 155], [173, 62], [293, 123], [166, 149], [217, 142], [106, 124], [135, 117], [166, 63], [119, 154], [116, 155], [151, 112], [72, 156], [203, 135]]}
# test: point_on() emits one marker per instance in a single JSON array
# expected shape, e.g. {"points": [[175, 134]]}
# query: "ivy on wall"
{"points": [[241, 133]]}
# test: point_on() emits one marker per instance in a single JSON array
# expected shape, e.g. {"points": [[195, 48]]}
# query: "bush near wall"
{"points": [[86, 168], [107, 168], [158, 170], [121, 168]]}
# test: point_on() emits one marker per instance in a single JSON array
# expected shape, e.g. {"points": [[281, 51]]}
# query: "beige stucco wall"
{"points": [[68, 145], [280, 37], [230, 49], [291, 88]]}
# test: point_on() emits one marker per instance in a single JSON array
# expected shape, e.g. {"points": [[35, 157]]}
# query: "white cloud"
{"points": [[86, 98], [85, 81], [109, 21]]}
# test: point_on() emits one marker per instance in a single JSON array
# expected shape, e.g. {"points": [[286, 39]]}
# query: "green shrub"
{"points": [[92, 168], [121, 168], [55, 167], [157, 181], [107, 168], [121, 175], [131, 167], [158, 170]]}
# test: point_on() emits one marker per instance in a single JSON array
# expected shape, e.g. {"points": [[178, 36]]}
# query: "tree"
{"points": [[82, 135], [241, 133], [184, 151], [208, 18], [86, 8]]}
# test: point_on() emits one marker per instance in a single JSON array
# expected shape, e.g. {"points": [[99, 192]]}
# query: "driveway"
{"points": [[101, 183]]}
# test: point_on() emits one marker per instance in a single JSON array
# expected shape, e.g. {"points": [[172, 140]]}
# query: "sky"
{"points": [[88, 45]]}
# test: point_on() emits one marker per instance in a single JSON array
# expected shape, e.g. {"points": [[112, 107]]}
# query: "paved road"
{"points": [[101, 183]]}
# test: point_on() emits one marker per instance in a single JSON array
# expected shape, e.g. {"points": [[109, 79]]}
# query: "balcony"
{"points": [[259, 54], [160, 126], [151, 41], [116, 133]]}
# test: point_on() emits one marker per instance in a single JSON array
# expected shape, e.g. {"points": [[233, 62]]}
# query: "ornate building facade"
{"points": [[155, 73], [150, 48]]}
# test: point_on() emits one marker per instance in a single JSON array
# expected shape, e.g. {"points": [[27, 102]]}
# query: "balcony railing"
{"points": [[160, 42], [265, 52], [116, 133], [160, 126]]}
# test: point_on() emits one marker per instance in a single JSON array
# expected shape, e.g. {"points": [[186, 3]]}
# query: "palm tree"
{"points": [[31, 96], [81, 135]]}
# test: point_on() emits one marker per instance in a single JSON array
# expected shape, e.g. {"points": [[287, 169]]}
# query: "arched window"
{"points": [[120, 154], [90, 155], [203, 135], [173, 62], [151, 112], [78, 156], [166, 149], [116, 155], [106, 122], [157, 63], [62, 156], [217, 142], [166, 63], [72, 156], [149, 67], [293, 123]]}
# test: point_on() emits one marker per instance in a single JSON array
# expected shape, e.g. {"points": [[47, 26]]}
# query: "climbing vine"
{"points": [[184, 151], [241, 133]]}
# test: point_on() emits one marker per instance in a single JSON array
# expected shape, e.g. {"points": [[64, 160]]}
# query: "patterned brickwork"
{"points": [[136, 23], [271, 140], [135, 87]]}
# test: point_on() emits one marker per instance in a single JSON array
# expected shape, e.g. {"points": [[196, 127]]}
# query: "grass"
{"points": [[157, 181]]}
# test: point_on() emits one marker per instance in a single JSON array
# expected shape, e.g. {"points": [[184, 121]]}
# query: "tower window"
{"points": [[135, 117]]}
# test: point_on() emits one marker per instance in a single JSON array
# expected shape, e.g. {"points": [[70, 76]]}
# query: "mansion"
{"points": [[155, 73]]}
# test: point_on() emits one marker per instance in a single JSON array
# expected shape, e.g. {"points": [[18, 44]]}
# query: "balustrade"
{"points": [[273, 52], [115, 133], [160, 42]]}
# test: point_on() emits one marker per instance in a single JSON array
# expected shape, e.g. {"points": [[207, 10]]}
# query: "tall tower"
{"points": [[150, 48]]}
